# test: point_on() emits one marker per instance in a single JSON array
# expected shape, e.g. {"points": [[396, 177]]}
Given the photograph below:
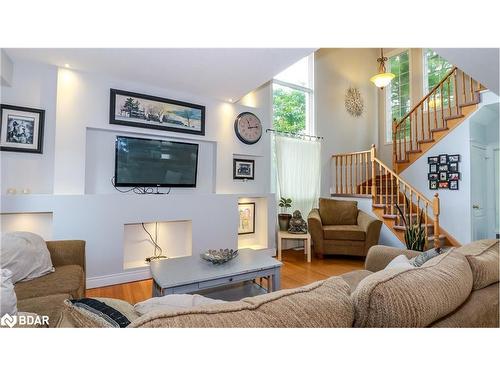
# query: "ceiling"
{"points": [[482, 64], [221, 73]]}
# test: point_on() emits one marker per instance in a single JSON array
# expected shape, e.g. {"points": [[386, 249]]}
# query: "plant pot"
{"points": [[284, 221]]}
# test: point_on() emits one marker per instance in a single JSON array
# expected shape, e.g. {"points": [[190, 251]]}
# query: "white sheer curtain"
{"points": [[298, 171]]}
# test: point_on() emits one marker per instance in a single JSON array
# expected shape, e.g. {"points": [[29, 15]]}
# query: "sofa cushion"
{"points": [[353, 278], [483, 260], [65, 279], [480, 310], [50, 306], [322, 304], [337, 212], [343, 232], [413, 297]]}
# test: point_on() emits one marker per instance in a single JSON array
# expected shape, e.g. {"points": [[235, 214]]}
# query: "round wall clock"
{"points": [[248, 128]]}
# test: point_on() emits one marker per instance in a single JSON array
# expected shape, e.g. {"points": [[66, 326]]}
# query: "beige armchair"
{"points": [[339, 227]]}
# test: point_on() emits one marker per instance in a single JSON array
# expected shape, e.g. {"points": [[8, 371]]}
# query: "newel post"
{"points": [[394, 148], [435, 211], [373, 155]]}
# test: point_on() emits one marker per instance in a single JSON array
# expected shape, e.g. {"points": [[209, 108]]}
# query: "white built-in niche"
{"points": [[39, 223], [174, 237], [259, 239]]}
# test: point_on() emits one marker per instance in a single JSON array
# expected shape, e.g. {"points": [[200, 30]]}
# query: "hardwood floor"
{"points": [[294, 273]]}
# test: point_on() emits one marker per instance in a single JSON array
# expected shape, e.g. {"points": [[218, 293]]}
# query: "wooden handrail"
{"points": [[362, 173], [415, 107]]}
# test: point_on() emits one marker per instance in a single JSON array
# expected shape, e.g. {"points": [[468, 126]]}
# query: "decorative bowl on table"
{"points": [[219, 256]]}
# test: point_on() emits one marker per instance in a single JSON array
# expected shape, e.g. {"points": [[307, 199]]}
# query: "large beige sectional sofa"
{"points": [[456, 289]]}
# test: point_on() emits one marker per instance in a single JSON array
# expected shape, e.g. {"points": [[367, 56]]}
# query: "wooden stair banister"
{"points": [[387, 188], [433, 117]]}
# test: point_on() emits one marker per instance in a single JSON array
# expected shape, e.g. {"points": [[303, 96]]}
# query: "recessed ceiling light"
{"points": [[230, 100], [67, 66]]}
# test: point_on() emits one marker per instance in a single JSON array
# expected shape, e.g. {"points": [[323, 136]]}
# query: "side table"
{"points": [[282, 235]]}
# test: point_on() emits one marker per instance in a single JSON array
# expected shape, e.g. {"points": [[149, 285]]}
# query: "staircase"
{"points": [[444, 108], [362, 174]]}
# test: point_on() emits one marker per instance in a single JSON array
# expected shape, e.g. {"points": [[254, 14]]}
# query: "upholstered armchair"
{"points": [[339, 227]]}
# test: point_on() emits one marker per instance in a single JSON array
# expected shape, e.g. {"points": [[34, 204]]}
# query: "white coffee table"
{"points": [[193, 274], [283, 235]]}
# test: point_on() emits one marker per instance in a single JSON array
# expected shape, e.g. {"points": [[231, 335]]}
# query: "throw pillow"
{"points": [[419, 260], [26, 255], [8, 300], [91, 313], [173, 302], [401, 262]]}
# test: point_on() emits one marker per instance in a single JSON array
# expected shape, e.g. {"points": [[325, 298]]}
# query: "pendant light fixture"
{"points": [[383, 78]]}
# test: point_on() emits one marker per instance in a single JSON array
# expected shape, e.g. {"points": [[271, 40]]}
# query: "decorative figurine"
{"points": [[297, 224]]}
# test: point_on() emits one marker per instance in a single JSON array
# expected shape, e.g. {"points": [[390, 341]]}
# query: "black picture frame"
{"points": [[453, 185], [443, 159], [454, 176], [176, 125], [433, 168], [433, 160], [453, 167], [250, 204], [443, 176], [433, 176], [34, 115], [443, 168], [443, 184], [454, 158], [433, 184], [239, 174]]}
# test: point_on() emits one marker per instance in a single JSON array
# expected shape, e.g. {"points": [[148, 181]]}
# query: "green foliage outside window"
{"points": [[289, 109], [436, 69], [399, 94]]}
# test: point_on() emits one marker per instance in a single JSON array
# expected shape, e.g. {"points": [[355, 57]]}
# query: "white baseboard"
{"points": [[118, 278]]}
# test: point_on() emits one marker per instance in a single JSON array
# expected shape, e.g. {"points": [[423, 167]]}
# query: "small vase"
{"points": [[284, 221]]}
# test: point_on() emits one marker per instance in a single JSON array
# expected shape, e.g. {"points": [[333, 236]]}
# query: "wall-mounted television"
{"points": [[154, 162]]}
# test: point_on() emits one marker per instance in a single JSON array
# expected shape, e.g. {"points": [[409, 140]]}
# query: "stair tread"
{"points": [[402, 227], [376, 205], [441, 237], [439, 129], [426, 141], [453, 117], [414, 151]]}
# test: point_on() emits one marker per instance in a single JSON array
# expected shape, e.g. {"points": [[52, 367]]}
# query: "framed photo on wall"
{"points": [[246, 218], [433, 184], [152, 112], [243, 169], [454, 185], [21, 129]]}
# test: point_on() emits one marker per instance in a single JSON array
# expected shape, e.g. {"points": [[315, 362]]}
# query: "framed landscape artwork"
{"points": [[243, 169], [21, 129], [152, 112], [247, 218]]}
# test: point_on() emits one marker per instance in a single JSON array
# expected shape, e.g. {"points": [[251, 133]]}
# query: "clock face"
{"points": [[248, 128]]}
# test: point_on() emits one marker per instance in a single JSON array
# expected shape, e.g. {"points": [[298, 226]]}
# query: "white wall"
{"points": [[33, 86], [335, 71], [6, 69]]}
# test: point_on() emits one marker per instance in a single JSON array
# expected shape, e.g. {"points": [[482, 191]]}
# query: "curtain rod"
{"points": [[293, 134]]}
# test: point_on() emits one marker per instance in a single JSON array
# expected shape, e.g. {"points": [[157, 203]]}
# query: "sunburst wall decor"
{"points": [[354, 102]]}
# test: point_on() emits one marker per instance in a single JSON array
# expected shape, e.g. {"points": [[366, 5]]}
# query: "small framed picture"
{"points": [[443, 168], [243, 169], [247, 218], [454, 176], [454, 185], [21, 129], [443, 184], [433, 184], [443, 159], [432, 176], [443, 176], [453, 167], [433, 168], [433, 160], [453, 158]]}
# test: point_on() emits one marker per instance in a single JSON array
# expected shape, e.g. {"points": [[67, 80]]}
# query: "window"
{"points": [[435, 69], [293, 98], [398, 92]]}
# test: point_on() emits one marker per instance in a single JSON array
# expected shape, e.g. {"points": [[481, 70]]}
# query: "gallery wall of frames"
{"points": [[444, 172]]}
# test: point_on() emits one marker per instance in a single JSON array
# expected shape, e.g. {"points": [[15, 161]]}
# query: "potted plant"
{"points": [[284, 217], [414, 231]]}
